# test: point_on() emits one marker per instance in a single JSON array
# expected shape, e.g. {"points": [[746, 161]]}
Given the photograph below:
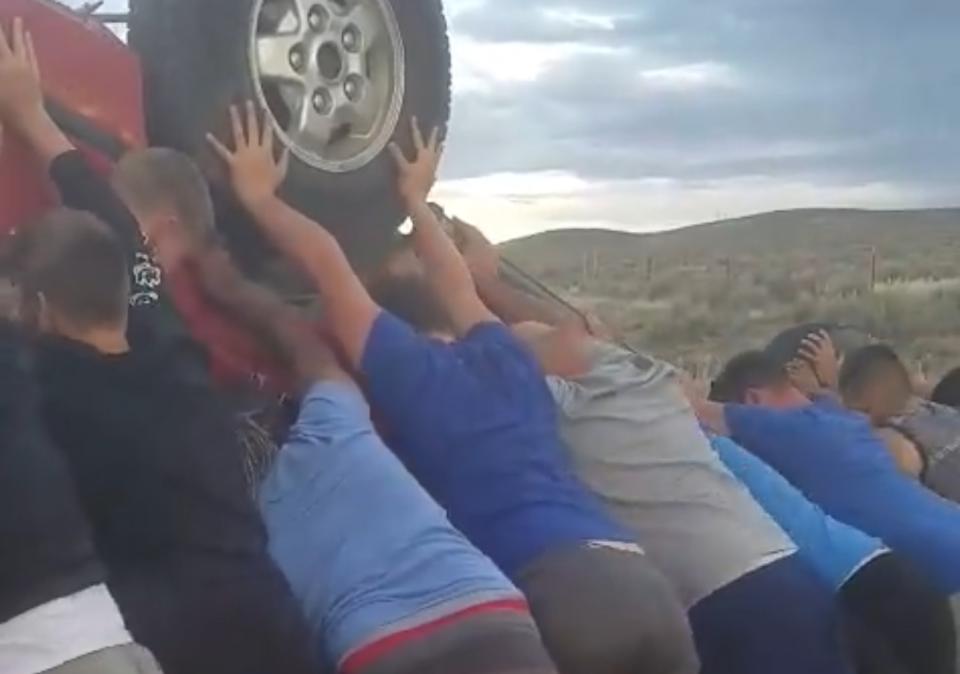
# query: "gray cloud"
{"points": [[839, 92]]}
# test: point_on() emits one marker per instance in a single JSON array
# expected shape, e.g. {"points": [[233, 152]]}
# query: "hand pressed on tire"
{"points": [[255, 172], [416, 178]]}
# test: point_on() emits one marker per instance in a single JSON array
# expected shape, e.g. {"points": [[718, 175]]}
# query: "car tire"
{"points": [[197, 60]]}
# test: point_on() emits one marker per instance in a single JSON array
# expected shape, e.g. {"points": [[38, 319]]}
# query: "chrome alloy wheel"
{"points": [[331, 75]]}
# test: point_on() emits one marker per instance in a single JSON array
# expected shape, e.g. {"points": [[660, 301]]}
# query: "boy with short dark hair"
{"points": [[150, 446], [874, 381], [157, 467], [56, 613], [922, 436], [947, 390], [833, 455]]}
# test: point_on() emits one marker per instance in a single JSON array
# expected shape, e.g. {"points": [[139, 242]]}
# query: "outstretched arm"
{"points": [[563, 347], [446, 271], [278, 325], [81, 188], [256, 176], [511, 304], [712, 415], [22, 109], [21, 96]]}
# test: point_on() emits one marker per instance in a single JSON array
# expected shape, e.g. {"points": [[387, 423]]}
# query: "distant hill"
{"points": [[815, 230], [703, 292]]}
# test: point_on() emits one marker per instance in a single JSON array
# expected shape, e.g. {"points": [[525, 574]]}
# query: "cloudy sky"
{"points": [[648, 114]]}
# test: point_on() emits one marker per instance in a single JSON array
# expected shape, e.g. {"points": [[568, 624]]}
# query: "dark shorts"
{"points": [[485, 642], [237, 622], [897, 621], [779, 619], [608, 611]]}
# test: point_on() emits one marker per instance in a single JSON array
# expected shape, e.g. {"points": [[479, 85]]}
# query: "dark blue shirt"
{"points": [[836, 459], [475, 423]]}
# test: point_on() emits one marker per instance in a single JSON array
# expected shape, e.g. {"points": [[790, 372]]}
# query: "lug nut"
{"points": [[353, 88], [316, 18], [321, 101], [297, 58], [351, 39]]}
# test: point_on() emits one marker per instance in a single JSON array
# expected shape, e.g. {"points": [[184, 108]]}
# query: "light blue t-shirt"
{"points": [[834, 550], [366, 551]]}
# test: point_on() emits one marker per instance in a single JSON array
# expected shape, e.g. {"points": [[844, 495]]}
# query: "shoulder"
{"points": [[493, 355], [904, 451], [390, 335], [332, 408], [494, 340], [401, 368], [492, 334]]}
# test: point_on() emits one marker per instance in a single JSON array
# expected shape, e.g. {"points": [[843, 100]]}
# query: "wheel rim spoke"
{"points": [[310, 127], [363, 114], [302, 8], [369, 23], [273, 57]]}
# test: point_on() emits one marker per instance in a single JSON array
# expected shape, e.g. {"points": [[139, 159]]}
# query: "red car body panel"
{"points": [[93, 85], [89, 75]]}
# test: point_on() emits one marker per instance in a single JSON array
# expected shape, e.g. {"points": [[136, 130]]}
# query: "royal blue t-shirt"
{"points": [[836, 551], [475, 422], [835, 458]]}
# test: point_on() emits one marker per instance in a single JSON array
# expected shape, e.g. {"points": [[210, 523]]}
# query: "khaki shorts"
{"points": [[127, 659]]}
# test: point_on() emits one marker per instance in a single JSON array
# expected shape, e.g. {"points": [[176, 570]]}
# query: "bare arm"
{"points": [[256, 176], [446, 271], [712, 415], [819, 350], [21, 97], [904, 452], [515, 306], [22, 110], [277, 324], [511, 304]]}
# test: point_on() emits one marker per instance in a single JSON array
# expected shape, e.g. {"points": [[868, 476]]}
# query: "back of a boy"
{"points": [[378, 569], [158, 469], [475, 422], [837, 460]]}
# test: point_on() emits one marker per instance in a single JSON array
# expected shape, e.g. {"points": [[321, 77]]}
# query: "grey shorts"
{"points": [[127, 659], [608, 610]]}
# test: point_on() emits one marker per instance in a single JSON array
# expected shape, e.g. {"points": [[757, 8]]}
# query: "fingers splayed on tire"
{"points": [[256, 173]]}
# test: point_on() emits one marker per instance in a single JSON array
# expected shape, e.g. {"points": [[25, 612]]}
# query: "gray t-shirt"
{"points": [[935, 430], [636, 442]]}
